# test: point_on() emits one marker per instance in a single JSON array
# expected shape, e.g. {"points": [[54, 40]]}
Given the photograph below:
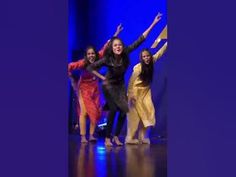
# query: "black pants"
{"points": [[110, 121], [117, 102]]}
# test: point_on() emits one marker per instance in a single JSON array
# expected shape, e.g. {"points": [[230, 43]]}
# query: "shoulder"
{"points": [[137, 67], [81, 61]]}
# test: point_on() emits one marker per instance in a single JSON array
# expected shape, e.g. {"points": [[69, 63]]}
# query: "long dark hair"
{"points": [[108, 53], [85, 55], [146, 74]]}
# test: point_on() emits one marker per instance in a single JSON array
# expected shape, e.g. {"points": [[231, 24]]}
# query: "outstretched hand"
{"points": [[105, 82], [119, 28], [158, 17]]}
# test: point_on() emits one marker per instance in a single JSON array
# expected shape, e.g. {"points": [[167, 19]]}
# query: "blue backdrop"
{"points": [[94, 22]]}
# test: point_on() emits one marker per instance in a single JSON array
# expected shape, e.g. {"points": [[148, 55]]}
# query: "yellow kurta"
{"points": [[143, 109]]}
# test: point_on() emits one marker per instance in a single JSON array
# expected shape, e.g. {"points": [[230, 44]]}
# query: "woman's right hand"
{"points": [[105, 82]]}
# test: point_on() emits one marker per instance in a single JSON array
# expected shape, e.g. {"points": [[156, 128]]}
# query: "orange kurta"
{"points": [[88, 88]]}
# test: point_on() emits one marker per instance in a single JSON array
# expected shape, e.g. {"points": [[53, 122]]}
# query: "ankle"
{"points": [[108, 142], [117, 141], [115, 137], [92, 138], [107, 139], [83, 139], [91, 135]]}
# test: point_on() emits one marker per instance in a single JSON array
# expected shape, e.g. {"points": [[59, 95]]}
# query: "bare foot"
{"points": [[92, 138], [131, 141], [145, 141], [83, 139], [117, 141], [108, 142]]}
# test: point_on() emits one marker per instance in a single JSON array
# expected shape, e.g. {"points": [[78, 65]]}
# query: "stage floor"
{"points": [[96, 160]]}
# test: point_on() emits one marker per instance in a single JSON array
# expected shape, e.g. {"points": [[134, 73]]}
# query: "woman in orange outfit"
{"points": [[87, 90]]}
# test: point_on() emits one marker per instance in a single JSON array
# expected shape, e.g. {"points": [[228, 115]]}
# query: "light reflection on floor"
{"points": [[96, 160]]}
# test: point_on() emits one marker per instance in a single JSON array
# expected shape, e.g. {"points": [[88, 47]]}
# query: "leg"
{"points": [[110, 117], [110, 121], [144, 134], [91, 132], [120, 123], [93, 107], [82, 120], [132, 126]]}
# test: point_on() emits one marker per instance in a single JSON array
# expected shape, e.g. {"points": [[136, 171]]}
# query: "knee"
{"points": [[82, 115]]}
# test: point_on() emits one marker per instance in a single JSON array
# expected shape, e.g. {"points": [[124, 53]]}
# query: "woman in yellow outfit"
{"points": [[141, 109]]}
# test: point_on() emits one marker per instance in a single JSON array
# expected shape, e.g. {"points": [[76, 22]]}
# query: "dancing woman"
{"points": [[141, 110], [116, 59]]}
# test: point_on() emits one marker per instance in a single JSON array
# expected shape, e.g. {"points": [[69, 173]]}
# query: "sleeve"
{"points": [[96, 65], [160, 52], [75, 65], [133, 78], [135, 44], [101, 51]]}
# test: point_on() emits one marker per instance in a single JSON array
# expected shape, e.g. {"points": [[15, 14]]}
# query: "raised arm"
{"points": [[160, 52], [155, 21], [139, 41], [119, 28], [162, 35]]}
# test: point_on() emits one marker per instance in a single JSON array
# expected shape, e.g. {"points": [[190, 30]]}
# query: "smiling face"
{"points": [[91, 55], [146, 57], [117, 47]]}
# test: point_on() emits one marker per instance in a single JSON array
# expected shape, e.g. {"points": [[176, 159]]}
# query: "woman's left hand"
{"points": [[158, 17]]}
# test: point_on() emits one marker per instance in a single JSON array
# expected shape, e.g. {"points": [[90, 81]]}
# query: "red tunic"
{"points": [[89, 89]]}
